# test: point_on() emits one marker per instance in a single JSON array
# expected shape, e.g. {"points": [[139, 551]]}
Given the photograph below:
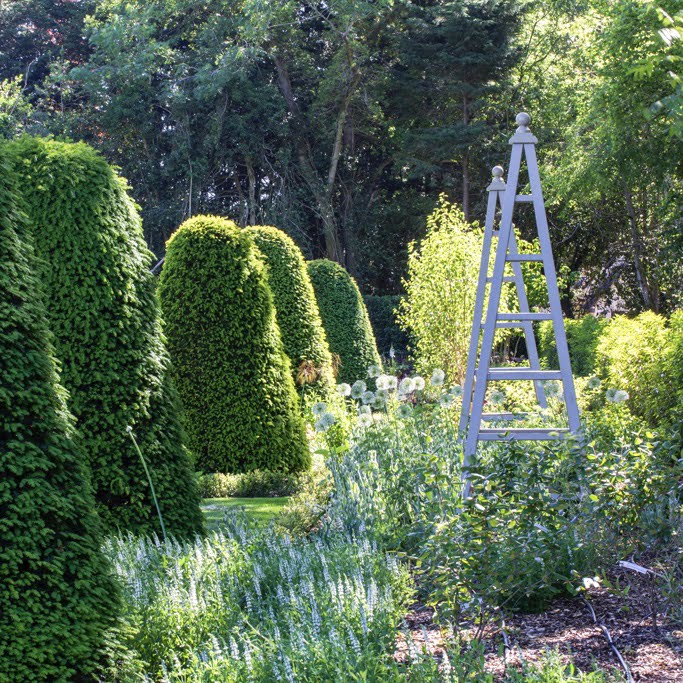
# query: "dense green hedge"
{"points": [[231, 370], [297, 312], [345, 319], [388, 333], [58, 599], [105, 317], [583, 336]]}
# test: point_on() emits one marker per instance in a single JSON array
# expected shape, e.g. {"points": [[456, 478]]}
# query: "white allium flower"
{"points": [[367, 397], [324, 422], [419, 383], [497, 397], [392, 383], [619, 396], [382, 383], [319, 409], [407, 386], [380, 401], [365, 420], [610, 394], [344, 389], [374, 371], [456, 391], [404, 411], [365, 410], [594, 383], [358, 389], [552, 389], [438, 376], [446, 400]]}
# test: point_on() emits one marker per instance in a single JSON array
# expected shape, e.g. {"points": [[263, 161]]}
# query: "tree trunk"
{"points": [[636, 244], [252, 190], [465, 163]]}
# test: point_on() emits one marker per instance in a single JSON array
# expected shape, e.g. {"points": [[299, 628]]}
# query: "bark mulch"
{"points": [[651, 647]]}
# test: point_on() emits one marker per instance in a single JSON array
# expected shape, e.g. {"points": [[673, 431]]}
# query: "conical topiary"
{"points": [[230, 367], [297, 312], [58, 598], [104, 314], [345, 319]]}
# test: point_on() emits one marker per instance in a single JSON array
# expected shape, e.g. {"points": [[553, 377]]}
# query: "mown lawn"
{"points": [[261, 510]]}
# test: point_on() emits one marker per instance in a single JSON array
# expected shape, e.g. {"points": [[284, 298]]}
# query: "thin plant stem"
{"points": [[149, 479]]}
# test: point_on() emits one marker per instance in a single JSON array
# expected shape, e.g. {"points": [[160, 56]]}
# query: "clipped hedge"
{"points": [[583, 337], [103, 311], [231, 370], [255, 484], [59, 600], [297, 311], [345, 319], [383, 318]]}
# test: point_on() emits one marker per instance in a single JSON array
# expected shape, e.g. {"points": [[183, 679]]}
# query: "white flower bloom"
{"points": [[367, 397], [407, 386], [392, 383], [497, 397], [365, 420], [404, 411], [344, 389], [392, 353], [446, 400], [594, 383], [456, 391], [438, 376], [358, 389], [364, 410], [620, 396], [419, 383], [380, 401], [374, 371], [319, 409], [325, 422], [382, 383]]}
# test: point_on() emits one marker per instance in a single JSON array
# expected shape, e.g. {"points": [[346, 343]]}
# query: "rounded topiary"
{"points": [[230, 367], [297, 312], [58, 598], [345, 319], [104, 314]]}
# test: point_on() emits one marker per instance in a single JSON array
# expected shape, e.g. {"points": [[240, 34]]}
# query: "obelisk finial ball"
{"points": [[497, 171], [523, 119]]}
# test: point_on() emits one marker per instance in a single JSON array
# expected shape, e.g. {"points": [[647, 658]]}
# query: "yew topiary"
{"points": [[59, 600], [105, 317], [345, 319], [230, 367], [297, 312]]}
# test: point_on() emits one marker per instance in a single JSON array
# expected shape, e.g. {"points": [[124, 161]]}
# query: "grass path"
{"points": [[261, 510]]}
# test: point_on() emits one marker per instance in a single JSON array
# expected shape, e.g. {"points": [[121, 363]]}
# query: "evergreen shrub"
{"points": [[229, 363], [105, 317], [345, 319], [58, 598], [383, 311], [296, 310], [583, 336]]}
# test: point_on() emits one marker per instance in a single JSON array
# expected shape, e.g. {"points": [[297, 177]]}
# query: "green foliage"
{"points": [[102, 308], [630, 356], [254, 484], [583, 337], [232, 373], [440, 291], [383, 312], [345, 319], [296, 309], [59, 601]]}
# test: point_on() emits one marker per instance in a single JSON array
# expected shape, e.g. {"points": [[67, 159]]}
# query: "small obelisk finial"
{"points": [[497, 184], [523, 134]]}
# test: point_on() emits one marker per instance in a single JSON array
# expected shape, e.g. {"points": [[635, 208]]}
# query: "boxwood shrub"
{"points": [[297, 312], [105, 317], [345, 319], [58, 601], [231, 370]]}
